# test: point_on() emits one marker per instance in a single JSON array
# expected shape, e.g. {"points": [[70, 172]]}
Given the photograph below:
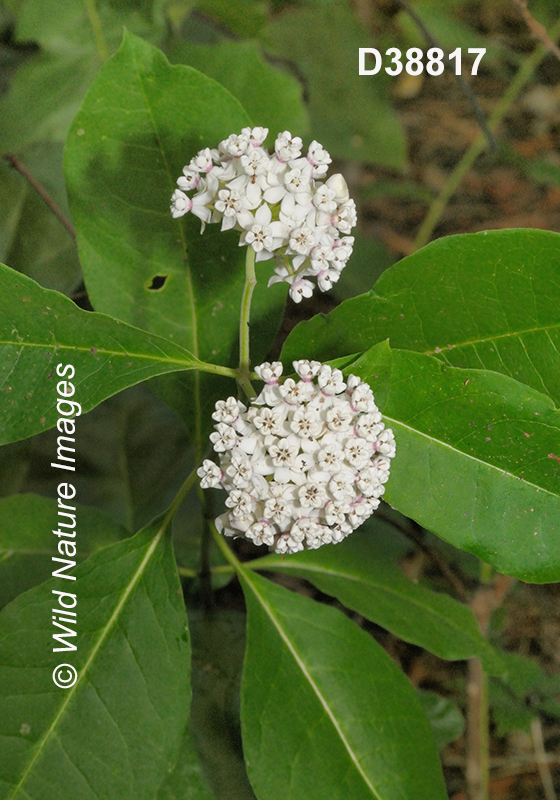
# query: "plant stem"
{"points": [[244, 324], [438, 206], [180, 496], [97, 28], [226, 551], [478, 770], [17, 164]]}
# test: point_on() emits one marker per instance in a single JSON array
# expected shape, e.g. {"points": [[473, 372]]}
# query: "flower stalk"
{"points": [[245, 323]]}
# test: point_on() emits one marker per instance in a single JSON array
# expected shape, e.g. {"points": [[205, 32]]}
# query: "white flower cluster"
{"points": [[305, 464], [279, 202]]}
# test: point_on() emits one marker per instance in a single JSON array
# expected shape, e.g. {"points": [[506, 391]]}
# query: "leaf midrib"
{"points": [[486, 339], [102, 351], [486, 464], [369, 584], [102, 637], [300, 663]]}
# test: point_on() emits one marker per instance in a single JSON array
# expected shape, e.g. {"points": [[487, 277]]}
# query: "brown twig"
{"points": [[17, 164], [485, 601], [411, 532], [542, 760], [466, 89], [538, 30]]}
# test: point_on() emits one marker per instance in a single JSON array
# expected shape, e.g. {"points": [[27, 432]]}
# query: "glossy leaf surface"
{"points": [[40, 328], [271, 96], [483, 301], [478, 458], [26, 540], [116, 732], [364, 579], [325, 711], [140, 123]]}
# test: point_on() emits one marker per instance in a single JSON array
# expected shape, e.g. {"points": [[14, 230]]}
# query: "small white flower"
{"points": [[181, 204], [331, 380], [228, 410], [189, 180], [225, 438], [256, 136], [270, 372], [307, 370], [209, 473], [261, 532], [301, 289], [341, 485], [287, 146], [358, 452], [305, 422], [312, 495], [302, 240], [386, 443], [331, 457], [240, 470], [339, 418], [283, 453], [241, 503]]}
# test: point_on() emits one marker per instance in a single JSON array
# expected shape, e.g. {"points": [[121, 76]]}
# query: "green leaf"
{"points": [[244, 18], [27, 544], [40, 328], [187, 781], [44, 97], [478, 458], [271, 97], [325, 711], [32, 239], [116, 732], [486, 300], [361, 576], [350, 114], [140, 124], [72, 28], [445, 718]]}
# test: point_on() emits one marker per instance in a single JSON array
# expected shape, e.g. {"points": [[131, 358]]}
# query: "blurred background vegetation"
{"points": [[409, 147]]}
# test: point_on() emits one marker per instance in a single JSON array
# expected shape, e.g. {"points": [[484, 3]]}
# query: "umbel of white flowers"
{"points": [[280, 203], [305, 464]]}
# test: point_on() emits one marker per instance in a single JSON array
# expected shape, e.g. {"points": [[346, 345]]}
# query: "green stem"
{"points": [[216, 369], [179, 497], [226, 551], [95, 22], [244, 324], [452, 184]]}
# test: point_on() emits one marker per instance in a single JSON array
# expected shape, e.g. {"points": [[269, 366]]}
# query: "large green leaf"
{"points": [[485, 300], [350, 114], [116, 732], [478, 458], [363, 578], [140, 123], [40, 329], [325, 711], [271, 97], [27, 543]]}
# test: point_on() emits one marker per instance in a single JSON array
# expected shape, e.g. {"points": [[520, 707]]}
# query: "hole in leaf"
{"points": [[158, 282]]}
